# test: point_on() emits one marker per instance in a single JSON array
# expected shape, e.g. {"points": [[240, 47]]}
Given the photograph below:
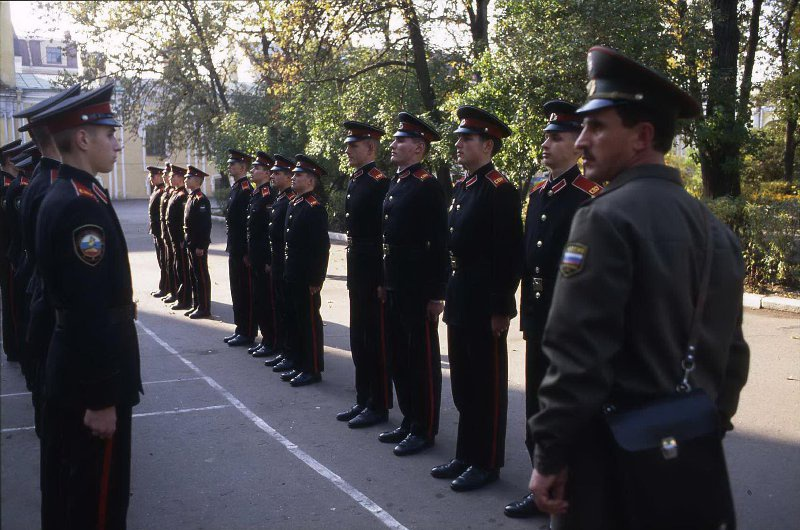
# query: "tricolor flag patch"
{"points": [[573, 259], [537, 182]]}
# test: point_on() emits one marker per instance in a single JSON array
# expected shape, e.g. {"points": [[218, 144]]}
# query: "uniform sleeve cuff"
{"points": [[549, 461]]}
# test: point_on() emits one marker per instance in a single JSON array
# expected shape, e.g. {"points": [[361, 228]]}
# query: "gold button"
{"points": [[390, 197], [537, 270], [348, 195], [538, 295], [347, 214], [550, 193], [290, 216], [451, 229], [386, 216], [458, 206], [287, 229], [539, 244], [544, 217]]}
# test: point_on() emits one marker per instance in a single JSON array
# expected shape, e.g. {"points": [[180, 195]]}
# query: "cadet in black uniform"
{"points": [[240, 273], [175, 211], [281, 176], [552, 200], [485, 244], [197, 235], [156, 178], [92, 372], [629, 278], [9, 333], [415, 275], [307, 251], [363, 206], [169, 256], [258, 254]]}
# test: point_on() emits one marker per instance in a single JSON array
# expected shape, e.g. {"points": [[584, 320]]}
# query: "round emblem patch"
{"points": [[90, 244]]}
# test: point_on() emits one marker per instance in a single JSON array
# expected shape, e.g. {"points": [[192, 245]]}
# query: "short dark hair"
{"points": [[424, 143], [497, 143], [663, 124], [63, 140]]}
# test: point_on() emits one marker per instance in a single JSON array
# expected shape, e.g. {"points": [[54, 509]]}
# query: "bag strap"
{"points": [[688, 362]]}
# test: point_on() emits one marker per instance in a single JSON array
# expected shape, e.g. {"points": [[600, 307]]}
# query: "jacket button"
{"points": [[458, 206], [550, 193], [386, 216], [544, 217], [287, 229], [390, 197], [539, 244], [347, 214], [538, 295], [290, 216], [536, 269], [348, 195], [451, 229]]}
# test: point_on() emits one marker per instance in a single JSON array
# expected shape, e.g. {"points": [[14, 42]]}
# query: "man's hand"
{"points": [[246, 260], [314, 289], [102, 423], [267, 269], [435, 308], [500, 324], [548, 491], [382, 294], [199, 252]]}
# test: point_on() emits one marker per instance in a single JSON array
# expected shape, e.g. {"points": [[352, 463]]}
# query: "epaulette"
{"points": [[24, 181], [83, 191], [312, 201], [496, 178], [290, 195], [422, 174], [246, 185], [590, 188], [7, 181], [377, 174], [265, 191]]}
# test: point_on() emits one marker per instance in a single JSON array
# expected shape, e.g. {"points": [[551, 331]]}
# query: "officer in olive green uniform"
{"points": [[625, 296]]}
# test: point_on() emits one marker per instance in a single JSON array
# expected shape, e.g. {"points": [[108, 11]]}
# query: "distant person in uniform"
{"points": [[169, 255], [156, 178], [485, 244], [175, 212], [197, 235], [7, 172], [363, 206], [92, 370], [625, 296], [240, 272], [415, 271], [553, 198]]}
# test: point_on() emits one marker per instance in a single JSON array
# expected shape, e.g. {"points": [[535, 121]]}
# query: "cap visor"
{"points": [[555, 127], [593, 105], [467, 130]]}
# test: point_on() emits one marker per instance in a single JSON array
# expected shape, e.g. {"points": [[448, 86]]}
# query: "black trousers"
{"points": [[85, 480], [479, 379], [536, 364], [264, 305], [9, 329], [20, 308], [169, 263], [40, 330], [241, 279], [304, 308], [282, 318], [182, 275], [163, 280], [368, 346], [416, 363], [201, 280]]}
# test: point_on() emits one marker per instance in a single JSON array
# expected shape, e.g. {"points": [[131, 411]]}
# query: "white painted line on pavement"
{"points": [[367, 503], [140, 415], [145, 383]]}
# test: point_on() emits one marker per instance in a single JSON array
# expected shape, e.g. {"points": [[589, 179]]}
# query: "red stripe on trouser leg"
{"points": [[430, 376], [313, 333], [102, 506]]}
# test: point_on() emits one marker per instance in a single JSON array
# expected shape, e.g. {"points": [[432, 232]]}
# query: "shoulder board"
{"points": [[7, 181], [422, 174], [83, 191], [377, 174], [198, 194], [24, 181], [246, 185], [590, 188], [312, 200], [496, 178], [265, 191], [290, 195]]}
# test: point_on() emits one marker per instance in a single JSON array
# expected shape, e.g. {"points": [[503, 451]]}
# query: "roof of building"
{"points": [[34, 82]]}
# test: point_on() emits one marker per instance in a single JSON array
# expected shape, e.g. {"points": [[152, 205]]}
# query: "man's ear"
{"points": [[644, 134], [82, 139]]}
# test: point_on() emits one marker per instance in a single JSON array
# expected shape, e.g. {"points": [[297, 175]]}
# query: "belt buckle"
{"points": [[454, 262], [385, 250], [538, 285], [349, 241]]}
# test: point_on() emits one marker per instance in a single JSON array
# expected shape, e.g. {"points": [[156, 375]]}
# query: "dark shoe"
{"points": [[263, 351], [180, 307], [450, 470], [288, 376], [230, 338], [305, 378], [240, 340], [189, 312], [393, 437], [253, 348], [170, 299], [284, 366], [368, 418], [473, 478], [159, 294], [523, 509], [412, 444], [273, 362], [200, 314], [350, 413]]}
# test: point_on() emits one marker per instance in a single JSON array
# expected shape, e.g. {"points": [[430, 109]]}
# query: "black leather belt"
{"points": [[353, 242], [405, 249], [116, 315]]}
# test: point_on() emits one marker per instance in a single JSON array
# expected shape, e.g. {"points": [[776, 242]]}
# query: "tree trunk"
{"points": [[205, 51], [790, 149], [791, 140], [750, 57], [720, 143], [478, 25]]}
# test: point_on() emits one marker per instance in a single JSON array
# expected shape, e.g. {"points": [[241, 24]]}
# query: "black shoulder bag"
{"points": [[670, 464]]}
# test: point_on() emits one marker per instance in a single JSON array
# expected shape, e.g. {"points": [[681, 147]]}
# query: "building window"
{"points": [[155, 142], [53, 55]]}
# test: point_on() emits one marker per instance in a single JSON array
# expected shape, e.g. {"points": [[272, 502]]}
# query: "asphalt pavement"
{"points": [[220, 442]]}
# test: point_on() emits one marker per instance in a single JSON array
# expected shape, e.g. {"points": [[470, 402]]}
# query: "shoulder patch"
{"points": [[582, 183], [496, 178], [537, 182], [573, 259], [312, 200], [422, 174], [82, 191], [90, 244], [377, 174]]}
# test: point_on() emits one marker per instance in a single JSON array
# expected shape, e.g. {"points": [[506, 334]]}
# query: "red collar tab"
{"points": [[472, 180], [558, 186], [377, 174]]}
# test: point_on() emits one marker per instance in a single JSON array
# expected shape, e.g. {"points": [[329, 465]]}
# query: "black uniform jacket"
{"points": [[93, 360], [277, 231], [362, 220], [154, 209], [12, 202], [415, 235], [197, 221], [165, 197], [619, 324], [43, 176], [485, 244], [257, 226], [236, 217], [307, 242], [175, 213], [547, 221]]}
